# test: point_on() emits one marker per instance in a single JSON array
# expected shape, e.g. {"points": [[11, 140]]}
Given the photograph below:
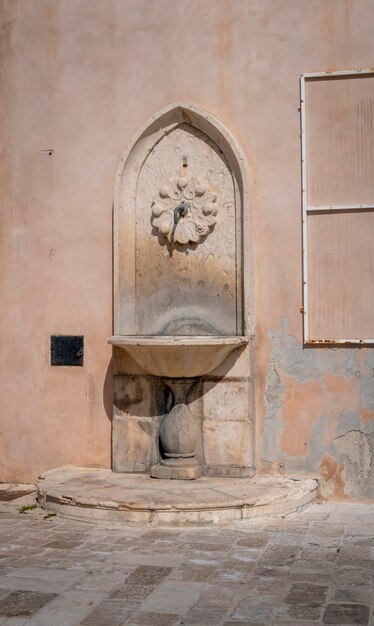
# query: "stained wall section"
{"points": [[80, 77]]}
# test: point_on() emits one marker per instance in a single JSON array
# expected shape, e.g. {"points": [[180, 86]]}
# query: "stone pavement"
{"points": [[312, 567]]}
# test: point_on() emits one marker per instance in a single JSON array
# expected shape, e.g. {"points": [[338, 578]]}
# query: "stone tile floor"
{"points": [[313, 567]]}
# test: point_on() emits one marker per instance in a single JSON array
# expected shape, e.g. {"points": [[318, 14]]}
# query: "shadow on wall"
{"points": [[141, 402]]}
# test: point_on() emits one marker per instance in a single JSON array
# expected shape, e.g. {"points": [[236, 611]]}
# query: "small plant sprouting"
{"points": [[26, 508], [49, 515]]}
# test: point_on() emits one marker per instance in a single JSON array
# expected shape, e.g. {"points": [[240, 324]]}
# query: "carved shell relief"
{"points": [[184, 210]]}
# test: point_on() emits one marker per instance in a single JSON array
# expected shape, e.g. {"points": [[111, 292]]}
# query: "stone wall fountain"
{"points": [[180, 271], [183, 344]]}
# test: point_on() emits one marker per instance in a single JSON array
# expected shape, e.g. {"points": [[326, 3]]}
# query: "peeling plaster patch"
{"points": [[356, 450], [320, 408], [331, 481], [348, 420], [367, 416], [307, 364], [367, 397], [300, 410], [313, 396], [273, 390], [269, 442]]}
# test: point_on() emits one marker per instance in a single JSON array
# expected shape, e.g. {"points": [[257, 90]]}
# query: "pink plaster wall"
{"points": [[80, 77]]}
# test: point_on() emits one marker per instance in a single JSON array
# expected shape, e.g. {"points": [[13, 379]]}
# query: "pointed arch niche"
{"points": [[177, 274]]}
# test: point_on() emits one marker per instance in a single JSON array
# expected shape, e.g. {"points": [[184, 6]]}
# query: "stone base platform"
{"points": [[97, 495]]}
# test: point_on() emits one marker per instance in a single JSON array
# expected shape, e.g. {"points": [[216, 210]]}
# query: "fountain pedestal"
{"points": [[179, 434]]}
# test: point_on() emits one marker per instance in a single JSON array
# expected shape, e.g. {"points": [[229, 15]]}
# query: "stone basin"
{"points": [[178, 356]]}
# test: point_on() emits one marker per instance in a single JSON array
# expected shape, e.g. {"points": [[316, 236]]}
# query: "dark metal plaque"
{"points": [[67, 350]]}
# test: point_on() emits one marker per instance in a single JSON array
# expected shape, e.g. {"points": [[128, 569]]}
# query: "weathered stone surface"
{"points": [[227, 443], [18, 603], [346, 614], [145, 618], [299, 612], [135, 446], [132, 593], [356, 451], [192, 572], [195, 298], [148, 575], [227, 400], [303, 594], [103, 495], [202, 616], [109, 613], [68, 609], [255, 609], [174, 356], [279, 555], [140, 576], [352, 594], [254, 540], [173, 597]]}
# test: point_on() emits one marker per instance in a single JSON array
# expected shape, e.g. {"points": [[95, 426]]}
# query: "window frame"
{"points": [[308, 209]]}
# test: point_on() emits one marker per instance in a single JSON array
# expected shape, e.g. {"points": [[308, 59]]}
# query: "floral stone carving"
{"points": [[185, 210]]}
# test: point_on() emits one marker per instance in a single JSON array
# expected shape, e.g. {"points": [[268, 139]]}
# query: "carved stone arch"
{"points": [[131, 174]]}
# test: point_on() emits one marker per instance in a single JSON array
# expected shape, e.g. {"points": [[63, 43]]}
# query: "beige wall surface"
{"points": [[80, 77]]}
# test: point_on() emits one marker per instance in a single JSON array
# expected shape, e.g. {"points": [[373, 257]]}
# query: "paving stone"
{"points": [[216, 595], [61, 577], [303, 594], [188, 571], [108, 613], [327, 529], [203, 616], [288, 526], [292, 622], [319, 553], [361, 556], [229, 573], [173, 597], [271, 571], [353, 594], [254, 540], [279, 555], [132, 593], [157, 560], [352, 576], [314, 567], [143, 618], [356, 540], [19, 603], [204, 547], [268, 586], [346, 614], [148, 575], [42, 585], [299, 612], [238, 572], [246, 623], [68, 609], [14, 621], [255, 608], [104, 581], [224, 536], [245, 555]]}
